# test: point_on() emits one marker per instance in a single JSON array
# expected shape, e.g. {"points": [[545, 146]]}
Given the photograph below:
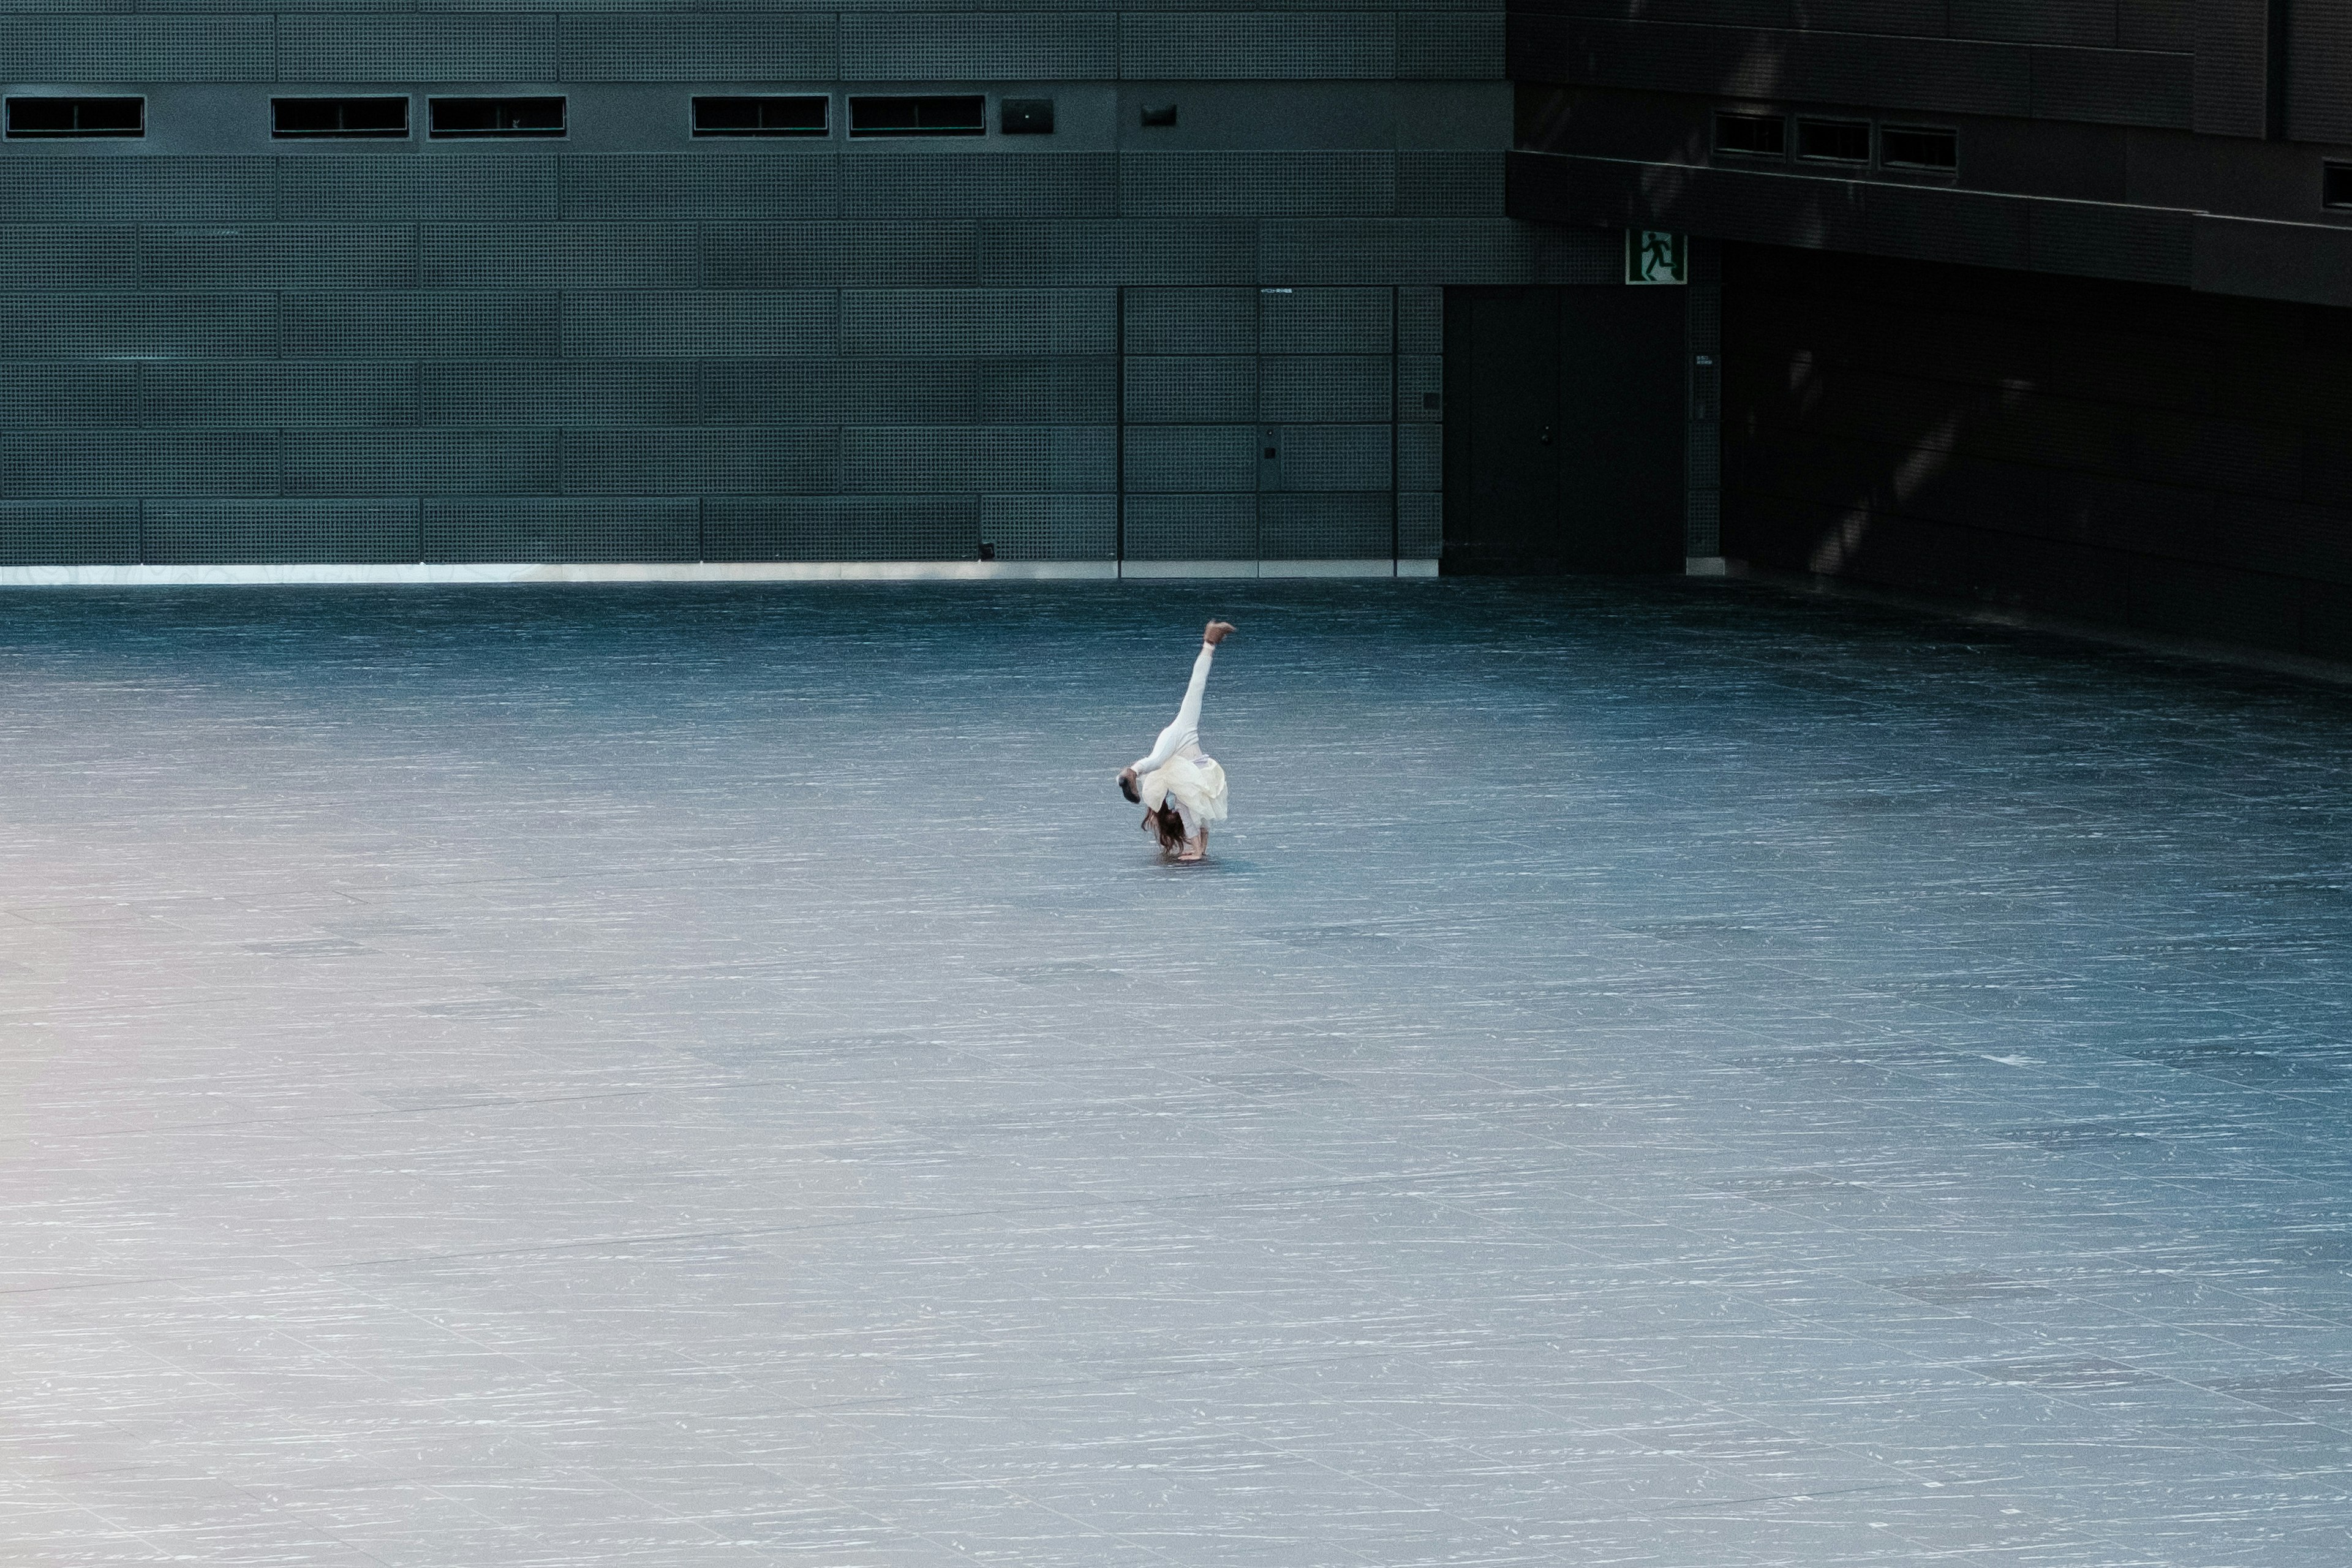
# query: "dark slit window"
{"points": [[2335, 185], [796, 116], [1833, 141], [339, 117], [961, 114], [1920, 147], [1751, 135], [76, 117], [497, 117]]}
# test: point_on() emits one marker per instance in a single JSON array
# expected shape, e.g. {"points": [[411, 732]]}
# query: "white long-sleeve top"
{"points": [[1186, 730]]}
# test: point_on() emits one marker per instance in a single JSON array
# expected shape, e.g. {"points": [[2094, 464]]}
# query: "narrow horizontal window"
{"points": [[1751, 135], [802, 115], [497, 117], [1920, 147], [1025, 117], [1833, 141], [76, 117], [339, 117], [960, 114], [2335, 185]]}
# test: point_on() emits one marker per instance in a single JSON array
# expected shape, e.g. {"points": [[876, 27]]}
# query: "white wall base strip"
{"points": [[327, 574]]}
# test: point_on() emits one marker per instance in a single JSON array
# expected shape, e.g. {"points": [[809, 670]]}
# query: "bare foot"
{"points": [[1218, 632], [1194, 850]]}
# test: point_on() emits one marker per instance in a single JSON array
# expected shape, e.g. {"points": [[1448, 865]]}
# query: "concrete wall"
{"points": [[631, 344]]}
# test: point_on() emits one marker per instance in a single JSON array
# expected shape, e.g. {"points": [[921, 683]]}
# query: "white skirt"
{"points": [[1198, 785]]}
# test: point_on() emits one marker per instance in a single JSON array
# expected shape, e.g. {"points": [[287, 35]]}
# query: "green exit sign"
{"points": [[1654, 255]]}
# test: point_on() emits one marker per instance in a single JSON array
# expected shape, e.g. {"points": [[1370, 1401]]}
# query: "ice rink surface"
{"points": [[1652, 1074]]}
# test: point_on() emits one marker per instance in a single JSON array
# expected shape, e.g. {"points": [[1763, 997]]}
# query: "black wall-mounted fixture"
{"points": [[76, 117], [1025, 117], [1159, 114], [2335, 185]]}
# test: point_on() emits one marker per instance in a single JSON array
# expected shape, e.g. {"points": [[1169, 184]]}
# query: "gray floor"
{"points": [[1653, 1074]]}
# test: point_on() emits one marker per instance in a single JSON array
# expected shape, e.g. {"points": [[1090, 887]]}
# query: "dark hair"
{"points": [[1168, 825]]}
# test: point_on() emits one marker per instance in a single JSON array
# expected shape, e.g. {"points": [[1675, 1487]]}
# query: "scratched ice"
{"points": [[1652, 1073]]}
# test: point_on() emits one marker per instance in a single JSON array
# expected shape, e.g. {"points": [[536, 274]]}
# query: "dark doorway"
{"points": [[1564, 439]]}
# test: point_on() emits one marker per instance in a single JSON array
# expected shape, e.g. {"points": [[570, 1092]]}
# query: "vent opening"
{"points": [[341, 117], [1751, 135], [76, 117], [797, 115], [497, 117], [2335, 185], [1833, 141], [1920, 147], [960, 114]]}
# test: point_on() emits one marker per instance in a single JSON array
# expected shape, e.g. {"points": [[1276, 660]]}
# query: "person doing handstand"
{"points": [[1182, 791]]}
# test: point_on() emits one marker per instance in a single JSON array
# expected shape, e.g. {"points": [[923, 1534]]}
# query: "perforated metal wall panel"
{"points": [[1193, 389], [419, 462], [69, 533], [1420, 320], [928, 527], [926, 178], [784, 46], [105, 191], [978, 321], [2319, 92], [2113, 86], [1058, 46], [1325, 527], [1306, 320], [283, 256], [913, 458], [556, 256], [1450, 184], [2230, 85], [543, 528], [74, 464], [595, 394], [438, 323], [799, 184], [329, 48], [1434, 251], [1331, 387], [2098, 240], [1421, 388], [1421, 526], [509, 188], [83, 48], [1192, 527], [1191, 459], [295, 395], [1335, 457], [1421, 458], [1062, 389], [791, 459], [1050, 528], [1464, 44], [873, 254], [1241, 45], [194, 532], [76, 326], [1080, 251], [698, 324], [69, 393], [1191, 321], [1152, 185]]}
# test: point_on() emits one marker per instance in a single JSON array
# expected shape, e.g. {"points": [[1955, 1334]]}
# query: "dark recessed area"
{"points": [[1833, 141], [338, 116], [800, 114], [1920, 147], [953, 114], [76, 117], [1159, 114], [1025, 117], [2335, 185], [497, 117], [1751, 135]]}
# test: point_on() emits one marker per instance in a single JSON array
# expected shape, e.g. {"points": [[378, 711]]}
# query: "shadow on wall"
{"points": [[2172, 462]]}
